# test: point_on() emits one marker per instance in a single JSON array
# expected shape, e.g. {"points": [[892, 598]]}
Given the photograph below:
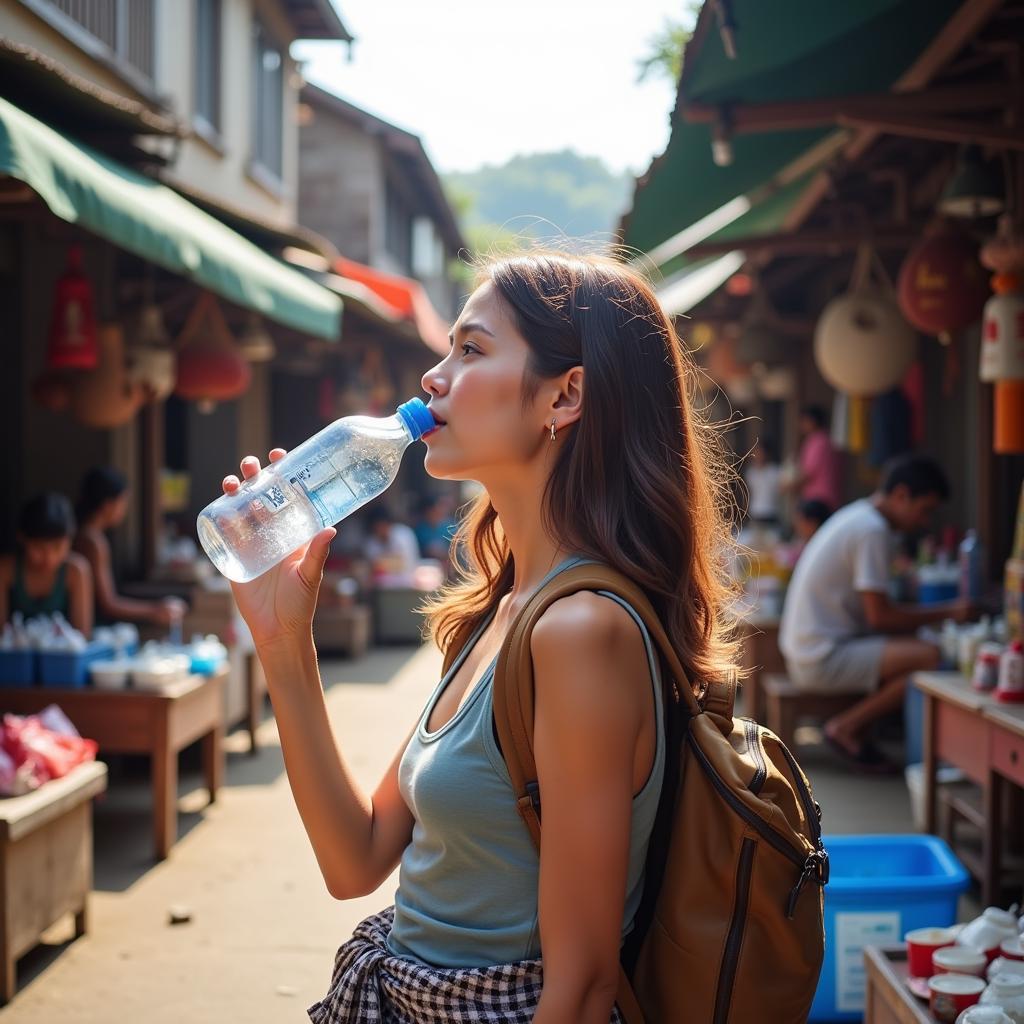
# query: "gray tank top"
{"points": [[467, 892]]}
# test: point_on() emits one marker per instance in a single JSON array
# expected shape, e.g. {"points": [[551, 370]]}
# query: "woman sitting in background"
{"points": [[102, 505], [45, 576]]}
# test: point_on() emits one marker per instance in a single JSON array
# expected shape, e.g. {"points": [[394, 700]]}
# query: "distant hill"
{"points": [[543, 195]]}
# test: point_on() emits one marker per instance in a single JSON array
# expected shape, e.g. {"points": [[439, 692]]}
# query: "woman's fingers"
{"points": [[250, 466], [230, 484], [277, 454], [311, 568]]}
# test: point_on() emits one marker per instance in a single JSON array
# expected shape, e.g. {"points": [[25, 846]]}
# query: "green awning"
{"points": [[144, 217], [791, 49]]}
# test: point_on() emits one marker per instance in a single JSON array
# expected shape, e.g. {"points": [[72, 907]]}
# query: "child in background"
{"points": [[45, 576]]}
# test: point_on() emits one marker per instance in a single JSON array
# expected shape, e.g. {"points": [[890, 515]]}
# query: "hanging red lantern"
{"points": [[73, 323], [942, 286], [210, 367]]}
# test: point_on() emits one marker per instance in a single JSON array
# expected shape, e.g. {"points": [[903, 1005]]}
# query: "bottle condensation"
{"points": [[315, 485]]}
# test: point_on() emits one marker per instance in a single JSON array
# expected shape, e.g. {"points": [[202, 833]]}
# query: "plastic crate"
{"points": [[17, 668], [70, 668], [880, 888]]}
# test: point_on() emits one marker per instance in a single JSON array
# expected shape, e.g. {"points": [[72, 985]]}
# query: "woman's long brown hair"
{"points": [[640, 482]]}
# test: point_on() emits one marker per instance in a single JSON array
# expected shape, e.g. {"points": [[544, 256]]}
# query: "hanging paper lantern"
{"points": [[255, 342], [152, 363], [942, 287], [106, 397], [72, 344], [862, 345], [1002, 334], [210, 368]]}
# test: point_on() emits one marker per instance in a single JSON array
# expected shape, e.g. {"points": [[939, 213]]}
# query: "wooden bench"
{"points": [[45, 862], [785, 705]]}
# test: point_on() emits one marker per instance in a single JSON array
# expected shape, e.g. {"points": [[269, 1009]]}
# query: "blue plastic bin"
{"points": [[66, 668], [880, 888], [17, 668]]}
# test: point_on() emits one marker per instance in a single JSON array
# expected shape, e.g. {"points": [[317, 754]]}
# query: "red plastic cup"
{"points": [[951, 994], [1012, 949], [921, 944]]}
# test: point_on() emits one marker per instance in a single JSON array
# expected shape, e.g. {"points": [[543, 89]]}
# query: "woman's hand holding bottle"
{"points": [[279, 605]]}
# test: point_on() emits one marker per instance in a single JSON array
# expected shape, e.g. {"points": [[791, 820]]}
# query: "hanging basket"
{"points": [[107, 397]]}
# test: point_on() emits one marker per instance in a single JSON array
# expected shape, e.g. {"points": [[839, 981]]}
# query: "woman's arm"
{"points": [[79, 584], [357, 839], [96, 551], [593, 731]]}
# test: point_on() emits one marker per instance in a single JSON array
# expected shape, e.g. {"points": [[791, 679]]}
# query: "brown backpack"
{"points": [[730, 929]]}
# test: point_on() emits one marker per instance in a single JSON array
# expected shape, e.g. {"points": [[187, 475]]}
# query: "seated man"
{"points": [[392, 548], [839, 629]]}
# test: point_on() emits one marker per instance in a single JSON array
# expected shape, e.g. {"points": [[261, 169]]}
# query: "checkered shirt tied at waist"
{"points": [[372, 986]]}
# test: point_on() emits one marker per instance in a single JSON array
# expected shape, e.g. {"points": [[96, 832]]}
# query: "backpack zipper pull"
{"points": [[817, 867]]}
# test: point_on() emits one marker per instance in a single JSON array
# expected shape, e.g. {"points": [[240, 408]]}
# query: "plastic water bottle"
{"points": [[315, 485], [972, 575]]}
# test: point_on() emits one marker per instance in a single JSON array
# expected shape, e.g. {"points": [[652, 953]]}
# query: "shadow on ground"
{"points": [[122, 817]]}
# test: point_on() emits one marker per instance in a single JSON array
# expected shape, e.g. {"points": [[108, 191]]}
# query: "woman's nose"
{"points": [[433, 381]]}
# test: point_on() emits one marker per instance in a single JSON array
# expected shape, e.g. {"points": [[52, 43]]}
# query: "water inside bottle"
{"points": [[275, 512]]}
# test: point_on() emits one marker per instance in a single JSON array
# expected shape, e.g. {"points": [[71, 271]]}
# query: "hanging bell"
{"points": [[73, 323]]}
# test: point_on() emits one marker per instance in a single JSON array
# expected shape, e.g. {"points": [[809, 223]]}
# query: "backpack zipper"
{"points": [[730, 960], [817, 865], [813, 865], [754, 745]]}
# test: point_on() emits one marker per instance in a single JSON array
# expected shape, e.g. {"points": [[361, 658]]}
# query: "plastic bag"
{"points": [[38, 753]]}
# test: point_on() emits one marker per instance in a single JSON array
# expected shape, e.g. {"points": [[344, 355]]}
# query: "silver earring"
{"points": [[552, 430]]}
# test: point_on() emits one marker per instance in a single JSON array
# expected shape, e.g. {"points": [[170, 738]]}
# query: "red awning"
{"points": [[406, 297]]}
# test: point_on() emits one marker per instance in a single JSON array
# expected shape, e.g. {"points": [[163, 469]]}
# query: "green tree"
{"points": [[664, 59]]}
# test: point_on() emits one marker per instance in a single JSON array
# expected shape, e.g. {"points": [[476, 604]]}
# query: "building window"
{"points": [[117, 30], [206, 80], [397, 228], [267, 102]]}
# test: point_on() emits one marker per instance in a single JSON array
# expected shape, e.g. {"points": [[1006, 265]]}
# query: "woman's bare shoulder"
{"points": [[78, 567], [586, 618]]}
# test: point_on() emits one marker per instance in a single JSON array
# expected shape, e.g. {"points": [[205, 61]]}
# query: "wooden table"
{"points": [[45, 862], [984, 738], [160, 723], [887, 1000]]}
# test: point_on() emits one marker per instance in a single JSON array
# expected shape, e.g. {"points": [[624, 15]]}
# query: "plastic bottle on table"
{"points": [[971, 558], [315, 485]]}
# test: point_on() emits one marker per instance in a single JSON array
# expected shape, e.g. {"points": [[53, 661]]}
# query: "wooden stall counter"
{"points": [[45, 862], [887, 1000], [160, 723]]}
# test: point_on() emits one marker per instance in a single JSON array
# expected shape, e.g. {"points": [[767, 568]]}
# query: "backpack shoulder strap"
{"points": [[513, 692]]}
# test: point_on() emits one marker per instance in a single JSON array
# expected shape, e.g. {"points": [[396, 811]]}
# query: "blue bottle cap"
{"points": [[416, 416]]}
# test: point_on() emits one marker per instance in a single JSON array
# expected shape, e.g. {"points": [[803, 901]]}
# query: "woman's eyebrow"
{"points": [[466, 328]]}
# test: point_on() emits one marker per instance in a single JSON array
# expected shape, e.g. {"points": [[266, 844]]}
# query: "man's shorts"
{"points": [[852, 667]]}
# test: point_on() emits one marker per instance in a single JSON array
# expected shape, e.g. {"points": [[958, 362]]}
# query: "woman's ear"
{"points": [[567, 405]]}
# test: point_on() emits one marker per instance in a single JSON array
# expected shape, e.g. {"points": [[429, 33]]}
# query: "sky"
{"points": [[482, 80]]}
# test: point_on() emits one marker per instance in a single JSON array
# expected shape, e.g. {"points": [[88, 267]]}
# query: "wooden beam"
{"points": [[954, 35], [817, 241], [780, 116]]}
